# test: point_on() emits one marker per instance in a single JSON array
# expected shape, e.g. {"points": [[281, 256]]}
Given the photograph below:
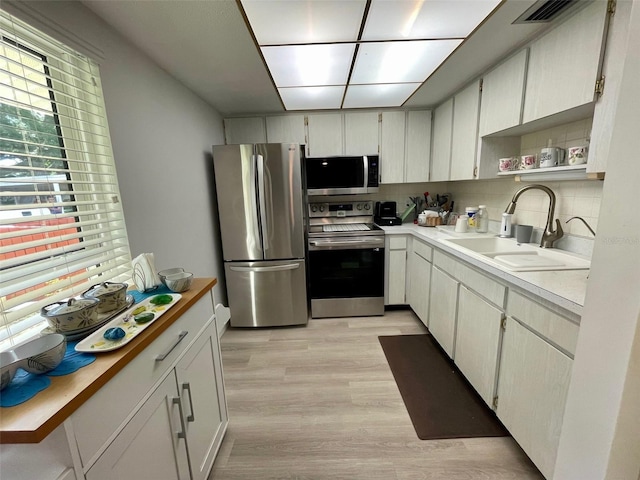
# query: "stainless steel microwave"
{"points": [[342, 175]]}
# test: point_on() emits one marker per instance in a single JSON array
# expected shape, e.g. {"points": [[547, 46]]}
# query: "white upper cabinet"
{"points": [[418, 155], [565, 63], [324, 135], [361, 133], [441, 153], [392, 147], [466, 105], [286, 129], [502, 95], [244, 130]]}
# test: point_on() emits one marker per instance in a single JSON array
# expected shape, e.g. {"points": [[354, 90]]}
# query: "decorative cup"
{"points": [[507, 164], [527, 162], [551, 157], [577, 155]]}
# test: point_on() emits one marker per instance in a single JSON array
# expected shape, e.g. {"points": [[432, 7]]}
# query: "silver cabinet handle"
{"points": [[276, 268], [183, 433], [164, 355], [187, 386]]}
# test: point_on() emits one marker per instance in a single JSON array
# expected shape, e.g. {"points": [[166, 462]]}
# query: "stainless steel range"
{"points": [[346, 260]]}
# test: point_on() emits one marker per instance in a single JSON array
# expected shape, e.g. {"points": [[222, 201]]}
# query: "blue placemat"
{"points": [[139, 296], [26, 385]]}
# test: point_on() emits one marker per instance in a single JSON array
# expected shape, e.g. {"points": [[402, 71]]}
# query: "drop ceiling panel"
{"points": [[309, 65], [278, 22], [312, 98], [400, 62], [422, 19], [389, 95]]}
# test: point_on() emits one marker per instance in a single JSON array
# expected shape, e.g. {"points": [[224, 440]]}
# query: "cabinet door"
{"points": [[199, 378], [441, 153], [244, 130], [395, 271], [477, 342], [442, 309], [532, 390], [564, 64], [503, 94], [324, 135], [150, 445], [361, 133], [418, 156], [286, 129], [466, 107], [419, 285], [392, 147]]}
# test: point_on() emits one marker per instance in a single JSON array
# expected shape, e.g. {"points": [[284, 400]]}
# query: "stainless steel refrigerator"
{"points": [[261, 211]]}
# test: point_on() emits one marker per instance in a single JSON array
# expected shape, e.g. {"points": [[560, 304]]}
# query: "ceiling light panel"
{"points": [[312, 98], [286, 22], [422, 19], [309, 65], [400, 62], [389, 95]]}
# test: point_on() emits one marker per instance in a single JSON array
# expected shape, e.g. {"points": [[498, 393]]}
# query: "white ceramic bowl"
{"points": [[9, 363], [42, 354], [169, 271], [179, 282]]}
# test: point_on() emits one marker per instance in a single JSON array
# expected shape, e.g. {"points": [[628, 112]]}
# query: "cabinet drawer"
{"points": [[476, 281], [98, 418], [422, 249], [557, 329], [397, 242]]}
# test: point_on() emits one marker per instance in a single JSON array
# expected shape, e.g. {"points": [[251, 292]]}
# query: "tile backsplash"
{"points": [[573, 198], [574, 134]]}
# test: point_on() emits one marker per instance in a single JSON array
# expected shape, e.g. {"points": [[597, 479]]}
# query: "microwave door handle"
{"points": [[365, 161], [262, 203]]}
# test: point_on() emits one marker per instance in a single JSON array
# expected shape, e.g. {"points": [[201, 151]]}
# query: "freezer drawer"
{"points": [[267, 294]]}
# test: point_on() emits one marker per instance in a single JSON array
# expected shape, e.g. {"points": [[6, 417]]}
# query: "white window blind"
{"points": [[61, 222]]}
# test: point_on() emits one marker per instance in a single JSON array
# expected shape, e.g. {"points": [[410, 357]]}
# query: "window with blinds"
{"points": [[62, 228]]}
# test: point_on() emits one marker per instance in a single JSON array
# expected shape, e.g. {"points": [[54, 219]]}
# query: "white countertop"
{"points": [[564, 288]]}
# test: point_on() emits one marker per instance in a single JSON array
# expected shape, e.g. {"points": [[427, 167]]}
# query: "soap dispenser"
{"points": [[505, 226]]}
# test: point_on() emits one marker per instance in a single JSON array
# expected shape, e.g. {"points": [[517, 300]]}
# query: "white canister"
{"points": [[462, 224], [551, 157]]}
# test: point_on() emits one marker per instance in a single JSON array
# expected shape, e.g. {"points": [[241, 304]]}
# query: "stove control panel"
{"points": [[341, 210]]}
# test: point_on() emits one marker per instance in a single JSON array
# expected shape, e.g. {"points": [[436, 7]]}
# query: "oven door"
{"points": [[346, 276]]}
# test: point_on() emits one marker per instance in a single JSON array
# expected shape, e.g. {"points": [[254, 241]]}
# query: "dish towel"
{"points": [[26, 385], [145, 275]]}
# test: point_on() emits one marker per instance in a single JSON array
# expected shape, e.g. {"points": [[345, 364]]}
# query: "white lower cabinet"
{"points": [[395, 269], [478, 342], [443, 304], [152, 445], [532, 390], [419, 280]]}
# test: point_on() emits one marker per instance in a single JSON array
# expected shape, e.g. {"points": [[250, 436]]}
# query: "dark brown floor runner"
{"points": [[440, 402]]}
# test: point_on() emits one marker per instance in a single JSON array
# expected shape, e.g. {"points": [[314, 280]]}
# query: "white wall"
{"points": [[161, 134]]}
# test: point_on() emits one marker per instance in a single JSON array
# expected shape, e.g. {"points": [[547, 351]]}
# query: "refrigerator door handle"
{"points": [[254, 206], [276, 268], [263, 203]]}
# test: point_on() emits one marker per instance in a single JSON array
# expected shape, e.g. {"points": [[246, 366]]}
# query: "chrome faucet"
{"points": [[549, 236]]}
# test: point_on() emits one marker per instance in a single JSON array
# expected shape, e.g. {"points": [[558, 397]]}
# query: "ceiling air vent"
{"points": [[544, 11]]}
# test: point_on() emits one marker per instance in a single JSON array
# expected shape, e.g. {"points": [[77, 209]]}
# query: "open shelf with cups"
{"points": [[562, 172]]}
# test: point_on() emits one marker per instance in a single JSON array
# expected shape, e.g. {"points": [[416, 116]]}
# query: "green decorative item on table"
{"points": [[163, 299], [144, 317]]}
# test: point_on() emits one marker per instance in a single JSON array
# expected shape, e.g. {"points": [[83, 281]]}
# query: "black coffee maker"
{"points": [[384, 214]]}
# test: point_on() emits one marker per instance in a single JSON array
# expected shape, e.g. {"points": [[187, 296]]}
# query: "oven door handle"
{"points": [[346, 243], [276, 268]]}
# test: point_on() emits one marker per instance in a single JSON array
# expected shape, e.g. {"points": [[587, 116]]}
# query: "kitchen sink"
{"points": [[518, 257]]}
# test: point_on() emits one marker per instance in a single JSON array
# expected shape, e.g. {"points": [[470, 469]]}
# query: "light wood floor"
{"points": [[319, 402]]}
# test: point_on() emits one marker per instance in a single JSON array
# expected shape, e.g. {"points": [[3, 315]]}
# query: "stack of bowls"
{"points": [[38, 356], [176, 279]]}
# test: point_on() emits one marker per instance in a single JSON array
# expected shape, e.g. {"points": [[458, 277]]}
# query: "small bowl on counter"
{"points": [[179, 282], [162, 274], [112, 296], [39, 355]]}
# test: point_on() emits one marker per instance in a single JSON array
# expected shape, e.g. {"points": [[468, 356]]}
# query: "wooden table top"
{"points": [[33, 420]]}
